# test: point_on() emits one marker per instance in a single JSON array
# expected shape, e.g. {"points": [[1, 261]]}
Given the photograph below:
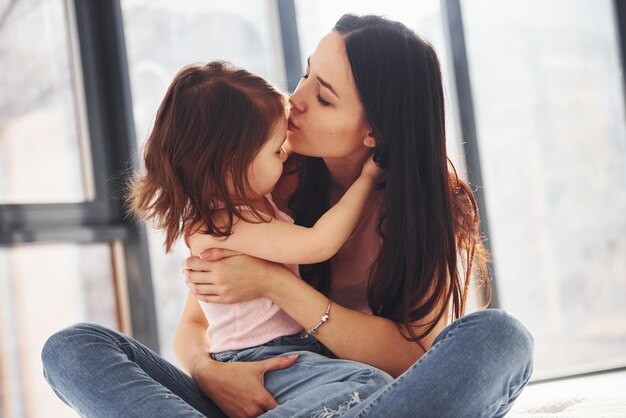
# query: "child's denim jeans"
{"points": [[315, 386]]}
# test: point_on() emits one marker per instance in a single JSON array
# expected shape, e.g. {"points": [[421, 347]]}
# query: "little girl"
{"points": [[212, 160]]}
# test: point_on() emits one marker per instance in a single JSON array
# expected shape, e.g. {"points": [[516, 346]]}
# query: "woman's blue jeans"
{"points": [[476, 367]]}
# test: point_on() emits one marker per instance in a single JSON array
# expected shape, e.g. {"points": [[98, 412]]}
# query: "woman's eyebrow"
{"points": [[323, 82]]}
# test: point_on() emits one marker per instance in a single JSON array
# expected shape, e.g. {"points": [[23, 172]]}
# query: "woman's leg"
{"points": [[476, 367], [103, 373]]}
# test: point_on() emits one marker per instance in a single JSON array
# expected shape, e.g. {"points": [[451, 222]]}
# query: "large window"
{"points": [[545, 113], [44, 145], [67, 253], [44, 288], [549, 103]]}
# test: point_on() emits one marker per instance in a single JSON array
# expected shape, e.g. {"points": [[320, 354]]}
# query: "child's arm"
{"points": [[283, 242]]}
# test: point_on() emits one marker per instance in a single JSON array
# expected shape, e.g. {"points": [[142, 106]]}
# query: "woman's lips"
{"points": [[292, 126]]}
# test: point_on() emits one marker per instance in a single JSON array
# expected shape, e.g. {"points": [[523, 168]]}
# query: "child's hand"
{"points": [[370, 169]]}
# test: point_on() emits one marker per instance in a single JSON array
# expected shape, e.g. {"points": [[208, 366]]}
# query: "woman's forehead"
{"points": [[330, 62]]}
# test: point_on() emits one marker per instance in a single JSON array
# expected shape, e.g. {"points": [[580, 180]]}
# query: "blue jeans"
{"points": [[476, 367], [316, 385]]}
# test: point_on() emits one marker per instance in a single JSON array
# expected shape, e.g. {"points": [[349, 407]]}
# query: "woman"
{"points": [[374, 80], [397, 290]]}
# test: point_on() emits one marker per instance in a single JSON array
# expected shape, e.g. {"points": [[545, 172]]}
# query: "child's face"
{"points": [[267, 166]]}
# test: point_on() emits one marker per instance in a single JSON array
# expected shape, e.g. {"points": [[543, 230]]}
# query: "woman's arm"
{"points": [[349, 334], [283, 242], [190, 345]]}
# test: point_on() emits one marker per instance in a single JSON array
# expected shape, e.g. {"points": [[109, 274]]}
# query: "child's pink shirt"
{"points": [[248, 324]]}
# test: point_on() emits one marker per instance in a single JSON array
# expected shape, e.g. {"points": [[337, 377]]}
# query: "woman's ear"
{"points": [[369, 140]]}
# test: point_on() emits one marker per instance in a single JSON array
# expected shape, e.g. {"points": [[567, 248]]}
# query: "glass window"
{"points": [[44, 149], [549, 104], [163, 36], [44, 288], [316, 19]]}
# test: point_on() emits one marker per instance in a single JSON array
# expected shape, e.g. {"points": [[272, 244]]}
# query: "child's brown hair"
{"points": [[212, 122]]}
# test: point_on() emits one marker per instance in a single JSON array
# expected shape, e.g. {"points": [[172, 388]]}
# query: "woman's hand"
{"points": [[227, 277], [238, 388]]}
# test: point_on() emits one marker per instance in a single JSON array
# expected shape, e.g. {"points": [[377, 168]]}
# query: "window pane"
{"points": [[316, 19], [44, 288], [549, 101], [44, 152], [163, 36]]}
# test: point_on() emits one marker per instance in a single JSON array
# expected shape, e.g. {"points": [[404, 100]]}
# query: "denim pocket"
{"points": [[251, 354], [299, 339], [245, 354], [225, 356], [276, 347]]}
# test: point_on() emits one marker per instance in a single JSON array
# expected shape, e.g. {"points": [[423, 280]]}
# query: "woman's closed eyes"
{"points": [[322, 101], [319, 97]]}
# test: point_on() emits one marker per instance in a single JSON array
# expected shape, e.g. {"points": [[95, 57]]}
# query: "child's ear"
{"points": [[369, 140]]}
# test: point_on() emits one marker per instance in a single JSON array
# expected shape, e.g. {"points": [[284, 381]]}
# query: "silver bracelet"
{"points": [[324, 318]]}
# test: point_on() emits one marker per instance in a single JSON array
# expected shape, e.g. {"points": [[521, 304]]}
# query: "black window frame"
{"points": [[99, 29]]}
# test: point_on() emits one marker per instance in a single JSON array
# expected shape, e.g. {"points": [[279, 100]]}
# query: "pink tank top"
{"points": [[248, 324]]}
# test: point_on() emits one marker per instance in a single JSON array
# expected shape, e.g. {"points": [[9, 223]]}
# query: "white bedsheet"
{"points": [[602, 395], [613, 407]]}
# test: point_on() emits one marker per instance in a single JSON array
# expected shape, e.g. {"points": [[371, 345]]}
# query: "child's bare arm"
{"points": [[292, 244]]}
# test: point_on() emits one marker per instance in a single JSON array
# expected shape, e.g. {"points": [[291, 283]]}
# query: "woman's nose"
{"points": [[296, 102]]}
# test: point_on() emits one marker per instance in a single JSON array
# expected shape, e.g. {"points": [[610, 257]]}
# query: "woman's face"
{"points": [[327, 118]]}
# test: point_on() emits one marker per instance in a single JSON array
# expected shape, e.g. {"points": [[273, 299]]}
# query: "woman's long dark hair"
{"points": [[429, 217]]}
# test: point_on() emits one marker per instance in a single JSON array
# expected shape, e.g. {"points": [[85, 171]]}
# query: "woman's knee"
{"points": [[64, 345], [503, 326], [510, 327]]}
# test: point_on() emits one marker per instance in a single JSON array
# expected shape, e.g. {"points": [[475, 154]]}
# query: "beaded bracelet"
{"points": [[324, 318]]}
